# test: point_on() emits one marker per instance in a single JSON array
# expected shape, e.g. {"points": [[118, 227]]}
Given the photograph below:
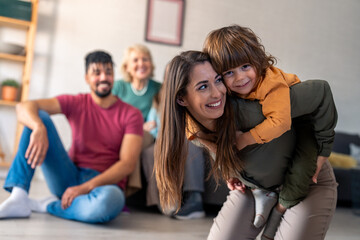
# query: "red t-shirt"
{"points": [[97, 133]]}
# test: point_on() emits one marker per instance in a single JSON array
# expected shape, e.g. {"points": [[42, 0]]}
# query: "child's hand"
{"points": [[244, 139], [320, 162], [236, 184], [240, 140], [240, 143]]}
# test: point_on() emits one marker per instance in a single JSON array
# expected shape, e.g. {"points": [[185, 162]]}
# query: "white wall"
{"points": [[314, 39]]}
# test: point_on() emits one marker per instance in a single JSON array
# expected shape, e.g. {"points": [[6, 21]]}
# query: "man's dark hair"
{"points": [[97, 57]]}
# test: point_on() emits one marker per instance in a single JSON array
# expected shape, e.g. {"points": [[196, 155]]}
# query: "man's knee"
{"points": [[110, 202]]}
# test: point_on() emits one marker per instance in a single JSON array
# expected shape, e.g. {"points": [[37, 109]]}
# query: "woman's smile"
{"points": [[215, 104], [206, 94]]}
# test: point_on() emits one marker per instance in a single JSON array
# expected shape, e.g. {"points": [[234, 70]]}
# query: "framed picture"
{"points": [[164, 21]]}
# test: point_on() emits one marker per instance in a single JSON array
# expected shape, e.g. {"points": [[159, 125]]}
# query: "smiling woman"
{"points": [[137, 86], [183, 92], [209, 102]]}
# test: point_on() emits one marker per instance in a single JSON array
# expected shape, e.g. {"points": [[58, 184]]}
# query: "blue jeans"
{"points": [[102, 204]]}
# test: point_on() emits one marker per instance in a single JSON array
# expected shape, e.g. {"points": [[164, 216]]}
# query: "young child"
{"points": [[248, 73]]}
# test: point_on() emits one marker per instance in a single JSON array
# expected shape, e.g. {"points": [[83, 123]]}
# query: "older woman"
{"points": [[137, 86], [193, 90]]}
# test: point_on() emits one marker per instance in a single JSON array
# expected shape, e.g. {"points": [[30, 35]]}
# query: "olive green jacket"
{"points": [[289, 162]]}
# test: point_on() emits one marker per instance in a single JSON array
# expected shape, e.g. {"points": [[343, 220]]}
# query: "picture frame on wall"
{"points": [[164, 21]]}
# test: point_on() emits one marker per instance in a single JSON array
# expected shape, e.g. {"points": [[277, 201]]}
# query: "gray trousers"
{"points": [[310, 219], [194, 172]]}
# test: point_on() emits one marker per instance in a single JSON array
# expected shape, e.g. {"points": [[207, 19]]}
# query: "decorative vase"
{"points": [[9, 93]]}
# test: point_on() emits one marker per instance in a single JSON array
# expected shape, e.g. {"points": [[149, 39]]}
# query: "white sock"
{"points": [[264, 202], [16, 206], [40, 205]]}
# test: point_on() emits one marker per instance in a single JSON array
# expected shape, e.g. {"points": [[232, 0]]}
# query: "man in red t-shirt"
{"points": [[89, 181]]}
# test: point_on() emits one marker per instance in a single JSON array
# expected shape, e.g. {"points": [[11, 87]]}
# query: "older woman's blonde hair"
{"points": [[139, 48]]}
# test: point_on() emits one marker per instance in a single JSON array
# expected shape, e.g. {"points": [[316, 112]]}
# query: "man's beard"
{"points": [[102, 94]]}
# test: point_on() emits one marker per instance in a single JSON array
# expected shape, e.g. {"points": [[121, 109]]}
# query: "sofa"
{"points": [[346, 177], [216, 195]]}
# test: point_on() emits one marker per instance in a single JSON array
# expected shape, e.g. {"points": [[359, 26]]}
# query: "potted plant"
{"points": [[9, 89]]}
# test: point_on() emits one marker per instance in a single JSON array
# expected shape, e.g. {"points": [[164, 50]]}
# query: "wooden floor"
{"points": [[139, 224]]}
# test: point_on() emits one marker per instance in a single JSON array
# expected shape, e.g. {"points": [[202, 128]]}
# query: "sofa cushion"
{"points": [[342, 160]]}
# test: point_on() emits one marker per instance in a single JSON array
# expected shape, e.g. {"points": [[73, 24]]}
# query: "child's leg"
{"points": [[297, 179], [301, 169], [264, 202], [273, 222], [314, 97]]}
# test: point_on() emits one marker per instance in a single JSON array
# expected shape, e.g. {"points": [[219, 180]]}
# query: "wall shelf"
{"points": [[25, 60], [12, 22], [13, 57], [8, 103]]}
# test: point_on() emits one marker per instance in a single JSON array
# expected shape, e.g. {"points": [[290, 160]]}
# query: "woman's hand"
{"points": [[236, 184], [71, 193], [38, 146], [320, 162]]}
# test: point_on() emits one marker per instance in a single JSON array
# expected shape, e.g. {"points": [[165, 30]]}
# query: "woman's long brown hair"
{"points": [[171, 146]]}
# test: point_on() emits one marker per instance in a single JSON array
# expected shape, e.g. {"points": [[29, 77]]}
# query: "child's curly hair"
{"points": [[233, 46]]}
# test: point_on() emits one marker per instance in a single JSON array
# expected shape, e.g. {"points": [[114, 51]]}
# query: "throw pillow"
{"points": [[342, 160]]}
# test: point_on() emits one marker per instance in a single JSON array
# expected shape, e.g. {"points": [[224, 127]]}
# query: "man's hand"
{"points": [[71, 193], [38, 146], [320, 162], [28, 114], [236, 184]]}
